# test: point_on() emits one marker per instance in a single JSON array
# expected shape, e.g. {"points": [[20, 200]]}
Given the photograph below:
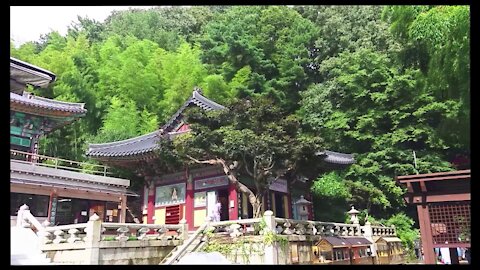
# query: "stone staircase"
{"points": [[194, 243], [24, 248]]}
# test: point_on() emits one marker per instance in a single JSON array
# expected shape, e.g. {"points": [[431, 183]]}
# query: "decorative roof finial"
{"points": [[198, 89]]}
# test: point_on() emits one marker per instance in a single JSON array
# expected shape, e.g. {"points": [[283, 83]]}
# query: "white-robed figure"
{"points": [[215, 214]]}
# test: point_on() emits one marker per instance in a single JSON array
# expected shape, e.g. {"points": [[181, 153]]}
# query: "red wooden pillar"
{"points": [[189, 200], [289, 205], [151, 204], [426, 233], [49, 214], [232, 196]]}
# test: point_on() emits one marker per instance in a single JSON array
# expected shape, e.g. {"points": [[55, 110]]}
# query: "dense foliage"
{"points": [[376, 81], [251, 139]]}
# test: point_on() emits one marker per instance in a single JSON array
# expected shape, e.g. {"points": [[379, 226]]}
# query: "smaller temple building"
{"points": [[60, 191], [191, 193], [443, 205]]}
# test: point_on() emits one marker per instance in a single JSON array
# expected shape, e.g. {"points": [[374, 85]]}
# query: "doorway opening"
{"points": [[223, 199]]}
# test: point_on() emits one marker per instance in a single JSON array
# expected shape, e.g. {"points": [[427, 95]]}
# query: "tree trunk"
{"points": [[257, 207], [254, 200]]}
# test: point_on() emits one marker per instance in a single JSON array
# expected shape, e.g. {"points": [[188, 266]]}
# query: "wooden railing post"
{"points": [[92, 240]]}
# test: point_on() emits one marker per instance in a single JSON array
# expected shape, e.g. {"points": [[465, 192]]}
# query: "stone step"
{"points": [[29, 259]]}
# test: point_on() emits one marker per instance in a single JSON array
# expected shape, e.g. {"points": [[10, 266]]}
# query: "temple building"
{"points": [[58, 190], [191, 193]]}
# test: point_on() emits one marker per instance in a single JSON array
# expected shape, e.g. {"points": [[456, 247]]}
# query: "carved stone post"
{"points": [[368, 233], [184, 232], [270, 251], [20, 217], [92, 240]]}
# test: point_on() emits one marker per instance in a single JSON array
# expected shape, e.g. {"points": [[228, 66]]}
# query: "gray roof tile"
{"points": [[336, 157], [46, 103], [148, 142], [346, 241], [23, 73]]}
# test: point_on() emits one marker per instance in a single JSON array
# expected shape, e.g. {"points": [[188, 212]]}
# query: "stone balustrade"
{"points": [[285, 226], [384, 231], [121, 232], [306, 227], [144, 231], [236, 228]]}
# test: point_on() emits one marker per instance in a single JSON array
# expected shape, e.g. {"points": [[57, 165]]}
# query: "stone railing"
{"points": [[236, 228], [383, 231], [300, 235], [305, 227], [101, 243], [95, 229], [286, 226], [25, 219]]}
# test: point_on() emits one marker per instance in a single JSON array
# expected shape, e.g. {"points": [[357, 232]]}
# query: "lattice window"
{"points": [[450, 222]]}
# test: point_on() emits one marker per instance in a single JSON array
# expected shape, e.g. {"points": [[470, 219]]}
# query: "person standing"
{"points": [[467, 255], [217, 210]]}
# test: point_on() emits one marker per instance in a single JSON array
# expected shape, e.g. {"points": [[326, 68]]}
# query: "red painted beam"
{"points": [[452, 245], [438, 198], [427, 175], [435, 178]]}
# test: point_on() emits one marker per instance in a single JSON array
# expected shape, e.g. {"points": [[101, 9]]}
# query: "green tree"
{"points": [[252, 139], [124, 121], [180, 71], [120, 122], [166, 26], [405, 231], [347, 29], [93, 29], [273, 41], [331, 196], [437, 40], [370, 107]]}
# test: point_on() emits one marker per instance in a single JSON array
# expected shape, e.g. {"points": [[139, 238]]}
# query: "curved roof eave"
{"points": [[147, 143], [25, 73]]}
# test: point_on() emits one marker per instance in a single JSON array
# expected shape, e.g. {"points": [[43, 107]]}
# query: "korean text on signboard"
{"points": [[211, 182]]}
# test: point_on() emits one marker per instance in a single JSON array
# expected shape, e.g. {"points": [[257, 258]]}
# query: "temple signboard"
{"points": [[216, 181], [279, 185]]}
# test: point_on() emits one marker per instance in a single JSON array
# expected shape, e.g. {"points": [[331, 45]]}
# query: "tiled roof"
{"points": [[133, 146], [45, 103], [335, 241], [23, 73], [336, 157], [196, 99], [346, 241], [390, 239], [358, 241], [148, 142]]}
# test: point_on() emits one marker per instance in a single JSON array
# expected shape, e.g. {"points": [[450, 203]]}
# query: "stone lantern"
{"points": [[302, 209], [353, 215]]}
